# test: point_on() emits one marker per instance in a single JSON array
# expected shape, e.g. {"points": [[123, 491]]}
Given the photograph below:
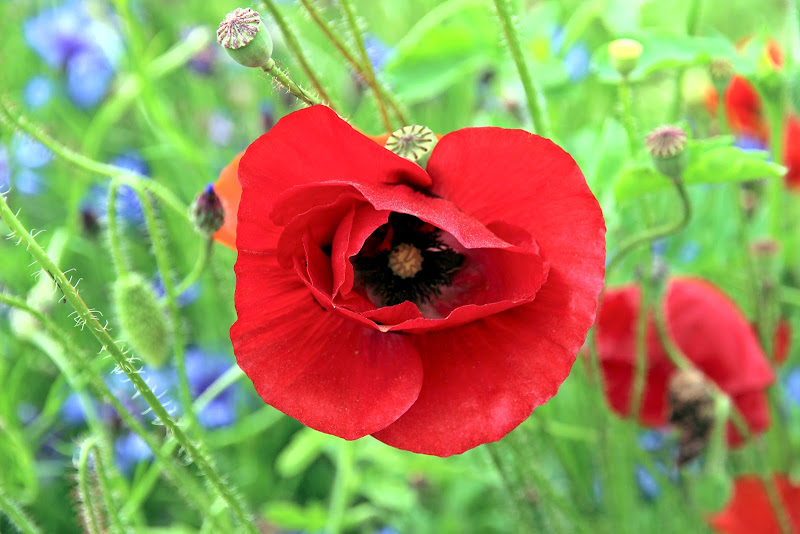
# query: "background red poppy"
{"points": [[749, 510], [710, 331]]}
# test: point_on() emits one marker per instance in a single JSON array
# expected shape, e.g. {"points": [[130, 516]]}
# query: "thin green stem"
{"points": [[199, 266], [297, 50], [640, 371], [287, 83], [165, 269], [223, 382], [650, 234], [625, 98], [92, 518], [369, 73], [91, 445], [10, 117], [524, 508], [775, 189], [14, 513], [351, 59], [533, 94], [88, 318], [340, 493], [114, 245]]}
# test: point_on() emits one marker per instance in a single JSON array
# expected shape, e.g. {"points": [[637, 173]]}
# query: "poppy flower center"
{"points": [[406, 259]]}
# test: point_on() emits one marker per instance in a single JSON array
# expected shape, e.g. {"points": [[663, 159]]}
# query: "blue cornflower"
{"points": [[792, 385], [68, 37], [377, 52], [576, 59], [38, 92], [184, 299], [652, 440], [128, 207], [689, 251], [28, 152], [648, 485], [130, 450], [5, 168], [745, 142], [202, 369], [220, 128], [72, 412]]}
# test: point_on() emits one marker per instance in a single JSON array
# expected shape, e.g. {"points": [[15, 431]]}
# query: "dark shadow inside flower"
{"points": [[410, 270]]}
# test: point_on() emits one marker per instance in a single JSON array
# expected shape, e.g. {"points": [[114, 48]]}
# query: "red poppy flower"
{"points": [[431, 309], [710, 331], [746, 117], [750, 511]]}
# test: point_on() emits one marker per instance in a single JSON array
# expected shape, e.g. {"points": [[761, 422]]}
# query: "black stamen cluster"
{"points": [[439, 263]]}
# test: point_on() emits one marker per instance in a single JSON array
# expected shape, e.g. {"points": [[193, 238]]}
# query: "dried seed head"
{"points": [[721, 71], [243, 36], [692, 412], [667, 147]]}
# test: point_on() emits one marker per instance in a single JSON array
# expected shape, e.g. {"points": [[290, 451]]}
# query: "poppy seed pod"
{"points": [[244, 37], [141, 319], [625, 54], [667, 147], [413, 143], [692, 412]]}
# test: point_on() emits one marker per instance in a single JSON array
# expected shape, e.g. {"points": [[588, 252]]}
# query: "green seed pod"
{"points": [[625, 54], [414, 143], [143, 322], [245, 39]]}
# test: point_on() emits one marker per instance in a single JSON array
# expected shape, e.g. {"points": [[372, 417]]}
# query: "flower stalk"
{"points": [[287, 83], [18, 518], [533, 94], [88, 318]]}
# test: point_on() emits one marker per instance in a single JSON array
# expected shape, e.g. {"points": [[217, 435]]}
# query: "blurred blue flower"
{"points": [[202, 369], [68, 37], [132, 161], [128, 207], [745, 142], [130, 450], [72, 412], [27, 182], [184, 299], [689, 251], [577, 58], [204, 61], [5, 168], [89, 75], [648, 485], [220, 128], [267, 110], [652, 440], [659, 246], [377, 52], [28, 152], [38, 92], [792, 385]]}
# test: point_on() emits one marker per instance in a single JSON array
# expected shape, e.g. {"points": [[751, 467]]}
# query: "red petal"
{"points": [[749, 510], [229, 192], [791, 152], [305, 147], [484, 378], [743, 108], [319, 367]]}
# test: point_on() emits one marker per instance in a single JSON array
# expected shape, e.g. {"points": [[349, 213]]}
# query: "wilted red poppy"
{"points": [[710, 331], [434, 310], [746, 116], [750, 511]]}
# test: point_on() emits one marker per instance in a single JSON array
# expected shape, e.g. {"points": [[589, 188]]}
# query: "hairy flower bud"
{"points": [[143, 323], [692, 412], [721, 71], [667, 147], [244, 37], [625, 54], [413, 143], [206, 212]]}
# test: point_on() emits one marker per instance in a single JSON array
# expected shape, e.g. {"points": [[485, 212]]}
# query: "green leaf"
{"points": [[305, 447], [291, 516], [711, 161], [447, 46]]}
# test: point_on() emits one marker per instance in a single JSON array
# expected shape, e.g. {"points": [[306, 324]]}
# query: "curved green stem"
{"points": [[15, 514], [90, 450], [655, 233], [89, 319], [114, 245], [199, 266], [297, 50], [287, 83], [340, 494], [640, 371], [369, 73], [533, 94], [91, 516]]}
